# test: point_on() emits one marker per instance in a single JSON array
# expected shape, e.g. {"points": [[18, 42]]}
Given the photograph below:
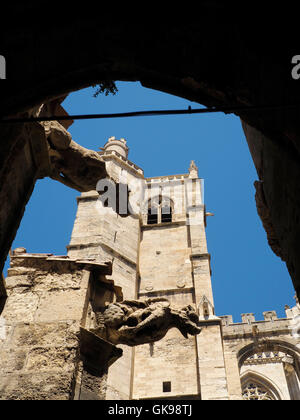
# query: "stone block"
{"points": [[12, 361], [60, 359], [61, 305], [37, 386], [45, 334], [21, 306]]}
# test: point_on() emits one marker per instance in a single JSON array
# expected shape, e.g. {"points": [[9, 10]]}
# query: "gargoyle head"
{"points": [[187, 321]]}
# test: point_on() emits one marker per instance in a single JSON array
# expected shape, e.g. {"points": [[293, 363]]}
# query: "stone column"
{"points": [[232, 373], [213, 383], [291, 377], [211, 364]]}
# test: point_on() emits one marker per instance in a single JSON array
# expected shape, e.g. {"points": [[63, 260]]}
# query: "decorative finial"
{"points": [[193, 170]]}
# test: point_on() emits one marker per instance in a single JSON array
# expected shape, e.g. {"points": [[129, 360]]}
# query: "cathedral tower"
{"points": [[159, 250]]}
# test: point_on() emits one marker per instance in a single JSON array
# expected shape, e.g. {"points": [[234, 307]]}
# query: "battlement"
{"points": [[249, 318], [270, 323]]}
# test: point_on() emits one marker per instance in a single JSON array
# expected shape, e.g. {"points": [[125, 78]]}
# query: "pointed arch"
{"points": [[256, 386], [268, 345]]}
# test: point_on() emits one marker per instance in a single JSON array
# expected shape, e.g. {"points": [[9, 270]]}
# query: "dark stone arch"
{"points": [[218, 59], [268, 345]]}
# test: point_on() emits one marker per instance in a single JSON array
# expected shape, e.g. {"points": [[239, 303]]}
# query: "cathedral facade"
{"points": [[157, 249]]}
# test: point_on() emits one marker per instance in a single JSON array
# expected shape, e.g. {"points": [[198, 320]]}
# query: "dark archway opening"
{"points": [[218, 61]]}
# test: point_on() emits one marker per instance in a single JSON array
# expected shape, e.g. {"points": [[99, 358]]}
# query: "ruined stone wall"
{"points": [[39, 349]]}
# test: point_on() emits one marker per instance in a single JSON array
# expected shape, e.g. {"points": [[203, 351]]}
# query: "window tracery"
{"points": [[255, 391]]}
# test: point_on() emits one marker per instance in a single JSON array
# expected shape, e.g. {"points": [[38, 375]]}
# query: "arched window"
{"points": [[159, 210]]}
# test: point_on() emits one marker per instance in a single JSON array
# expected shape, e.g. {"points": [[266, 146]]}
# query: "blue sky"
{"points": [[246, 275]]}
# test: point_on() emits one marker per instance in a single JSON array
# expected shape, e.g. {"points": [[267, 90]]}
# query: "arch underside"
{"points": [[216, 60]]}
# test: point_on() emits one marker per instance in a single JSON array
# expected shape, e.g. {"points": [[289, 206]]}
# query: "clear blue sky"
{"points": [[246, 275]]}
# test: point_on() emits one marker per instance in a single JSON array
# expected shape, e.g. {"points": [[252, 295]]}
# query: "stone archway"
{"points": [[218, 59], [271, 367]]}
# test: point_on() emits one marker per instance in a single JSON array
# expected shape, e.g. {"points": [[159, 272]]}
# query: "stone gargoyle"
{"points": [[72, 164], [135, 322], [75, 166]]}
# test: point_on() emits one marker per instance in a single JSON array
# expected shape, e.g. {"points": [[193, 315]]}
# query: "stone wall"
{"points": [[164, 261], [173, 360], [43, 314], [174, 263], [41, 328], [99, 233]]}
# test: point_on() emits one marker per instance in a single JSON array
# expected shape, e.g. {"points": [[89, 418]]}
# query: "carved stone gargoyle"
{"points": [[77, 167], [135, 322], [72, 164]]}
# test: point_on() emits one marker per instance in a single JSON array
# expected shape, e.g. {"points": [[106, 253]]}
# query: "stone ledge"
{"points": [[104, 267], [212, 320], [165, 224], [102, 244], [178, 290]]}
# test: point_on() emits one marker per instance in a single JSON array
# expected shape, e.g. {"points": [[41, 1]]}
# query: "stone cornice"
{"points": [[97, 244]]}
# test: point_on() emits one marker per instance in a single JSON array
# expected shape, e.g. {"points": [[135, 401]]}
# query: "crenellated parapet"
{"points": [[270, 324]]}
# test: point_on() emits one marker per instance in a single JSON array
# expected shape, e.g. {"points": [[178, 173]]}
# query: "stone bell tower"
{"points": [[174, 263], [158, 251]]}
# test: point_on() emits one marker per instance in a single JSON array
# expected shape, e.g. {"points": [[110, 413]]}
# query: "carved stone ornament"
{"points": [[180, 284], [134, 322]]}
